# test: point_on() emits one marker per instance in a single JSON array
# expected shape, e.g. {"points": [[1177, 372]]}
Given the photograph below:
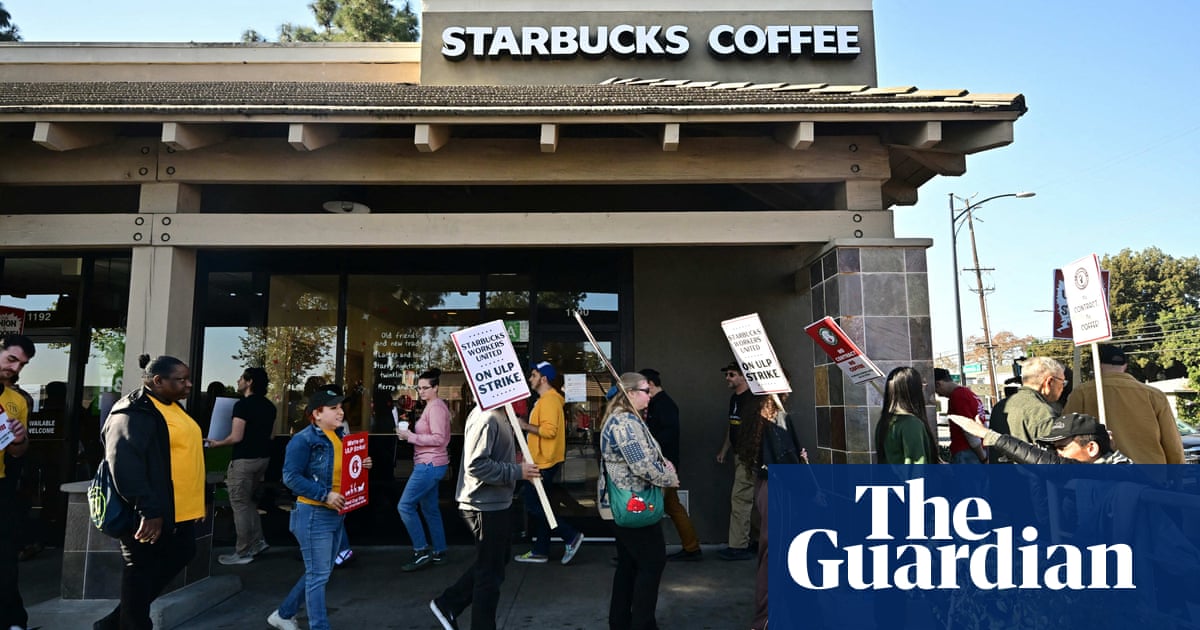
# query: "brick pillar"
{"points": [[878, 292]]}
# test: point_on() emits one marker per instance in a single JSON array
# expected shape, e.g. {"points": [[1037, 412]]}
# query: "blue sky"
{"points": [[1109, 144]]}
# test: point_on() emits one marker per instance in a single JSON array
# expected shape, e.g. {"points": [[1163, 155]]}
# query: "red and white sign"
{"points": [[354, 473], [748, 340], [1087, 301], [833, 340], [491, 364], [6, 436], [12, 321], [1062, 312]]}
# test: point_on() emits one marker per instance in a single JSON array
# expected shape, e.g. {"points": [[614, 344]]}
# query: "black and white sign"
{"points": [[748, 340], [1087, 300], [491, 364]]}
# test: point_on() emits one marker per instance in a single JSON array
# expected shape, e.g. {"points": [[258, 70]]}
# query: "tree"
{"points": [[351, 21], [8, 31], [1154, 300]]}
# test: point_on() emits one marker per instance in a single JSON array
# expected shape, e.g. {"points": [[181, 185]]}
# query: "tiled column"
{"points": [[878, 292]]}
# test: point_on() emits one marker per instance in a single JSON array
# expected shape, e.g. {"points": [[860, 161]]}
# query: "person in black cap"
{"points": [[741, 498], [1075, 438], [1139, 416], [312, 468]]}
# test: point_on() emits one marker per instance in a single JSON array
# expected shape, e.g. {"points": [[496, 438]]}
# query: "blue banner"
{"points": [[1087, 546]]}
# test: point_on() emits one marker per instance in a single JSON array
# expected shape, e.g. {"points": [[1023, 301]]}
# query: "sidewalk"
{"points": [[372, 592]]}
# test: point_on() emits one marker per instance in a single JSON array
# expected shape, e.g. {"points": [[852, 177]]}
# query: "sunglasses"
{"points": [[644, 390]]}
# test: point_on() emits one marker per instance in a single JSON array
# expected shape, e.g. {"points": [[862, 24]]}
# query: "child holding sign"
{"points": [[312, 468]]}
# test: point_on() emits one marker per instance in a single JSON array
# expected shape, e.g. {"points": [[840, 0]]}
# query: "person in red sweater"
{"points": [[964, 449]]}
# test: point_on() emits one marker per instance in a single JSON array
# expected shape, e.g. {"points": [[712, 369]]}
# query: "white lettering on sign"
{"points": [[641, 41]]}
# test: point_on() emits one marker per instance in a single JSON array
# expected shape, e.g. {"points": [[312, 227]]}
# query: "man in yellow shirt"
{"points": [[547, 430], [15, 354]]}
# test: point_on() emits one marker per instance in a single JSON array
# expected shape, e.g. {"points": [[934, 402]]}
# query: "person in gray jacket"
{"points": [[486, 479]]}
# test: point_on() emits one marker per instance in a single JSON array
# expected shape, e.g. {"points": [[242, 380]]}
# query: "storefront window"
{"points": [[396, 328]]}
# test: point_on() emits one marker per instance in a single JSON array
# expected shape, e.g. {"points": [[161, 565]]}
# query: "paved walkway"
{"points": [[372, 592]]}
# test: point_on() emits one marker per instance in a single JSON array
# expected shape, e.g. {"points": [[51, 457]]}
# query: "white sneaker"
{"points": [[572, 548], [235, 559], [275, 621]]}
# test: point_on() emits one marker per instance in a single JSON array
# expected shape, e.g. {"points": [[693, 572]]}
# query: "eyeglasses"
{"points": [[1059, 378], [731, 374], [644, 390]]}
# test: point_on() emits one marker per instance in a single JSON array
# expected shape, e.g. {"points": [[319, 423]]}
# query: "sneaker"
{"points": [[572, 548], [438, 557], [687, 556], [235, 559], [421, 559], [259, 547], [735, 553], [443, 616], [343, 558], [276, 621], [531, 558]]}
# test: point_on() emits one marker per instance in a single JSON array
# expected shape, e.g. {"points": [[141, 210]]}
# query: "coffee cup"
{"points": [[403, 425]]}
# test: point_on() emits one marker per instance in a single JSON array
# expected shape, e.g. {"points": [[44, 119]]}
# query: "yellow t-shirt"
{"points": [[549, 445], [187, 461], [14, 405], [337, 468]]}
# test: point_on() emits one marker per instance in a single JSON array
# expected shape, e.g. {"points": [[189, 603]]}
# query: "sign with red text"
{"points": [[491, 364], [1087, 299], [354, 472], [1062, 312], [12, 321], [748, 340], [833, 341], [6, 435]]}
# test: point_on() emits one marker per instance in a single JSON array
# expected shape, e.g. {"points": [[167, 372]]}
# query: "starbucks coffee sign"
{"points": [[647, 41]]}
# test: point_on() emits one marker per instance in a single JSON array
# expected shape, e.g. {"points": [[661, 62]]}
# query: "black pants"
{"points": [[479, 586], [148, 570], [12, 609], [641, 558]]}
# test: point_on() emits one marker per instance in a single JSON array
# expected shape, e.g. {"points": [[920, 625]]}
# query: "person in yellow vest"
{"points": [[547, 430], [15, 353], [312, 468], [156, 453]]}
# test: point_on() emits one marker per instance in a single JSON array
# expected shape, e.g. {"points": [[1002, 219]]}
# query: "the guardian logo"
{"points": [[962, 551]]}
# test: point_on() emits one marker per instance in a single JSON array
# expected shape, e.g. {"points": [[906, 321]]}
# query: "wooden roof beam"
{"points": [[69, 136], [188, 137], [430, 138], [549, 138], [670, 137], [310, 137], [899, 193], [940, 162], [796, 136], [924, 135], [976, 136]]}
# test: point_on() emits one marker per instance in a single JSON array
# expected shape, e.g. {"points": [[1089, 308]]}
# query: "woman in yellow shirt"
{"points": [[156, 454]]}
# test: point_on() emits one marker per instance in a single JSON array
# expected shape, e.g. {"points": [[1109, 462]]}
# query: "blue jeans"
{"points": [[318, 530], [533, 506], [422, 491]]}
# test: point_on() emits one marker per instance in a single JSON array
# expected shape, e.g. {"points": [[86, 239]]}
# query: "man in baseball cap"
{"points": [[1082, 438]]}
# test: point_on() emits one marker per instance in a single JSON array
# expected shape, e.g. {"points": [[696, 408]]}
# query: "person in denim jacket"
{"points": [[312, 469]]}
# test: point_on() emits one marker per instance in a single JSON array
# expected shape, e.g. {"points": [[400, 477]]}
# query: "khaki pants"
{"points": [[741, 504], [242, 479]]}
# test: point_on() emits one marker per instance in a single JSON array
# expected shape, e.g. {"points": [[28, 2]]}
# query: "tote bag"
{"points": [[110, 514]]}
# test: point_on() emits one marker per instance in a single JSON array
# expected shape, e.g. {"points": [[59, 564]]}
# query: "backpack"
{"points": [[109, 511]]}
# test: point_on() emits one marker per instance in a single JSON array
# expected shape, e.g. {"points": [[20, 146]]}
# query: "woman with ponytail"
{"points": [[632, 461]]}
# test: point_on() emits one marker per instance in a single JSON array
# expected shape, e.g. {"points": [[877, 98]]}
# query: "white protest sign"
{"points": [[495, 375], [6, 435], [220, 425], [491, 364], [754, 353], [1087, 301]]}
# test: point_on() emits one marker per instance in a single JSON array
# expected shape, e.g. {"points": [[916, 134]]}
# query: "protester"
{"points": [[902, 436], [547, 431], [250, 435], [1138, 415], [1028, 413], [312, 469], [487, 477], [156, 454], [632, 461], [964, 402], [662, 418], [741, 497], [429, 437], [15, 354], [1075, 438]]}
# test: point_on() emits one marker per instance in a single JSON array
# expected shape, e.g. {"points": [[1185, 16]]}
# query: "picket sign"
{"points": [[1087, 299], [496, 378], [354, 474]]}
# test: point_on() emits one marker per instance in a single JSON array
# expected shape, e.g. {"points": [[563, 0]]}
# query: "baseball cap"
{"points": [[323, 398], [545, 369], [1072, 425], [732, 367], [1112, 355]]}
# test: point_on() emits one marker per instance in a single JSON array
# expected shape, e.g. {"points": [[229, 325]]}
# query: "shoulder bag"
{"points": [[110, 513]]}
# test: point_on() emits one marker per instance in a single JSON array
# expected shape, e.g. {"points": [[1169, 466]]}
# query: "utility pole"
{"points": [[987, 333]]}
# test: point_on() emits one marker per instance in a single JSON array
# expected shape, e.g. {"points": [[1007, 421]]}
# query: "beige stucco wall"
{"points": [[680, 298]]}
